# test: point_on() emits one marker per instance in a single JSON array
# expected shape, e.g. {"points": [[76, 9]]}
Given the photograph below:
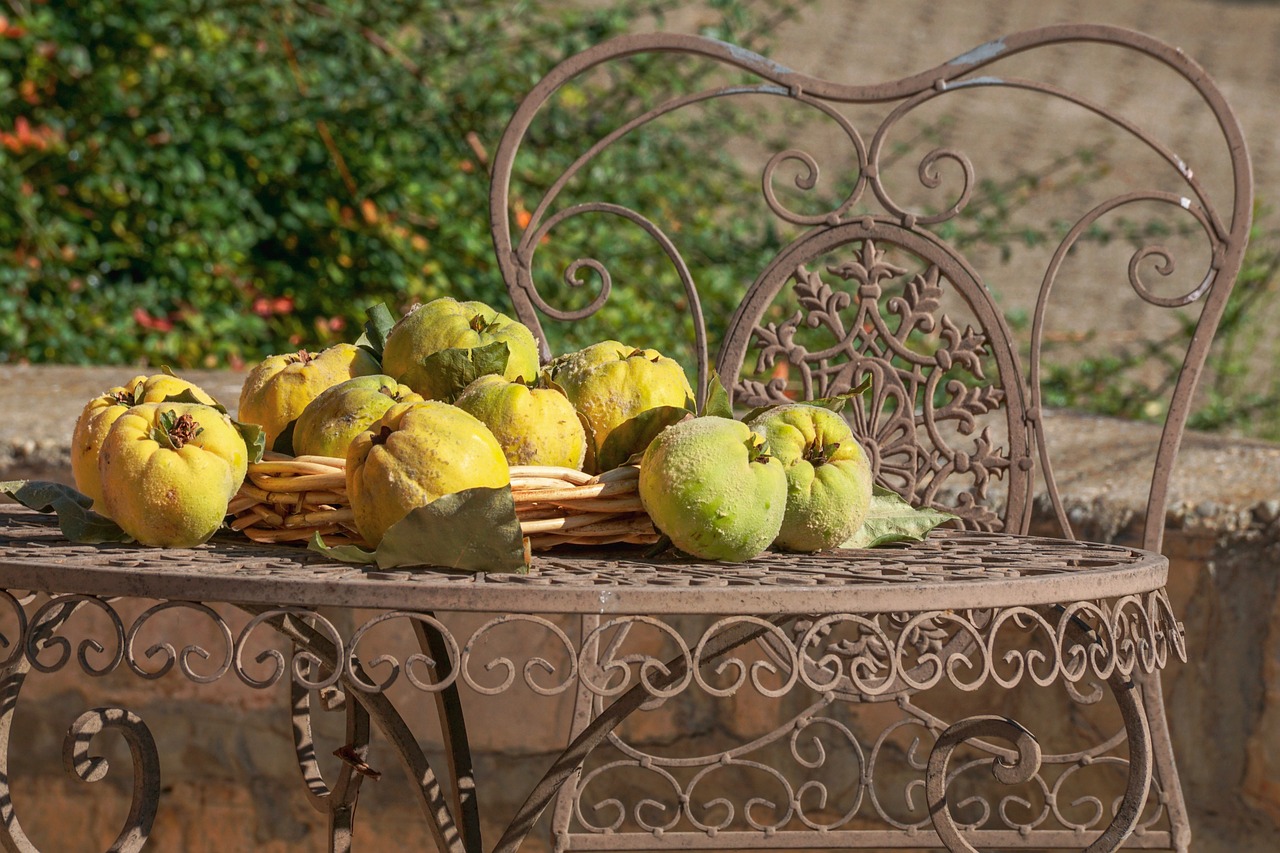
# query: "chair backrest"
{"points": [[879, 287]]}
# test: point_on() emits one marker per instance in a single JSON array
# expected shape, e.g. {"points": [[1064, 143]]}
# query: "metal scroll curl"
{"points": [[53, 616], [169, 656], [572, 279], [814, 740], [539, 673], [80, 763]]}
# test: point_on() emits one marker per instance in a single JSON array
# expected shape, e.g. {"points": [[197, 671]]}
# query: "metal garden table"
{"points": [[870, 662], [843, 627]]}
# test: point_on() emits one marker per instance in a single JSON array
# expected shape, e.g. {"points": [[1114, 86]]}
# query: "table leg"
{"points": [[338, 804], [570, 761], [382, 713], [453, 727]]}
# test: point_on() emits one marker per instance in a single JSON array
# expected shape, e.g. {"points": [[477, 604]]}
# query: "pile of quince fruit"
{"points": [[445, 400]]}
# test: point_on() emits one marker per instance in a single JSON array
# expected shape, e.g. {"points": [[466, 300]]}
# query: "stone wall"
{"points": [[231, 783]]}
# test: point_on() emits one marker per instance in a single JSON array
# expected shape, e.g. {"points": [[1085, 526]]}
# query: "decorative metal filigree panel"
{"points": [[943, 419]]}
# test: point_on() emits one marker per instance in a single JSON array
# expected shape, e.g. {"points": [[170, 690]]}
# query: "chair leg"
{"points": [[1166, 771]]}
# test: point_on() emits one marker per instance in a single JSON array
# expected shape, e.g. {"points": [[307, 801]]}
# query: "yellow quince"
{"points": [[278, 389], [102, 411], [415, 453], [168, 471], [535, 426]]}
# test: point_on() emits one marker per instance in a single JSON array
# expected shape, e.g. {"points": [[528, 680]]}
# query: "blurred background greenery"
{"points": [[201, 183]]}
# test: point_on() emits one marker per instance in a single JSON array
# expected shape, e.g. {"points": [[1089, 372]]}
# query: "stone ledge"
{"points": [[1221, 485]]}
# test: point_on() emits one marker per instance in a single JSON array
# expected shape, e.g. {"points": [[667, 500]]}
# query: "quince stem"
{"points": [[175, 430], [820, 454]]}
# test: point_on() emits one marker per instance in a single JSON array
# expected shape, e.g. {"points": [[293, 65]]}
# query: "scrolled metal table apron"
{"points": [[911, 618]]}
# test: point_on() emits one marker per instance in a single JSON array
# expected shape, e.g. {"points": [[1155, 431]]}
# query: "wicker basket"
{"points": [[288, 499]]}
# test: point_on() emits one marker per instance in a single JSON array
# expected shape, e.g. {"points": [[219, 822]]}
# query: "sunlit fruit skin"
{"points": [[101, 412], [828, 475], [535, 426], [415, 453], [704, 486], [611, 382], [446, 323], [340, 413], [278, 389], [166, 497]]}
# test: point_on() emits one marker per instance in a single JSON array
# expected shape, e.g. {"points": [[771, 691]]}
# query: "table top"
{"points": [[949, 570]]}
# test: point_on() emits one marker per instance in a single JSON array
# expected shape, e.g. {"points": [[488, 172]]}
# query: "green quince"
{"points": [[415, 453], [279, 388], [611, 384], [535, 426], [102, 411], [340, 413], [709, 484], [168, 471], [439, 347], [828, 475]]}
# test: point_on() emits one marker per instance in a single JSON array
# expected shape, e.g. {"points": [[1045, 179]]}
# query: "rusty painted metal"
{"points": [[956, 423], [899, 635]]}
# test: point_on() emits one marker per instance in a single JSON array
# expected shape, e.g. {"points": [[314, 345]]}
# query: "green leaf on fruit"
{"points": [[458, 367], [718, 404], [891, 519], [255, 440], [186, 395], [634, 434], [837, 402], [475, 530], [77, 521], [376, 328]]}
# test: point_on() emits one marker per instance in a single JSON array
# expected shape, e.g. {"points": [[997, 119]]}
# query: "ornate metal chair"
{"points": [[877, 286]]}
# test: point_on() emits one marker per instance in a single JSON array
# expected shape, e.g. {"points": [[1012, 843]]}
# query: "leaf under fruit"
{"points": [[475, 530], [77, 521], [891, 519], [376, 328]]}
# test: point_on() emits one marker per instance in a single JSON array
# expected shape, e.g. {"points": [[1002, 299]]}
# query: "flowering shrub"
{"points": [[203, 183]]}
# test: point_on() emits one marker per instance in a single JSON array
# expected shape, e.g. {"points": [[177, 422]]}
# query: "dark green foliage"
{"points": [[204, 183]]}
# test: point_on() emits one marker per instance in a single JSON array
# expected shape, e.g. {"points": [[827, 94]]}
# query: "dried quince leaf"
{"points": [[475, 530], [342, 553], [458, 367], [77, 521], [891, 519]]}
